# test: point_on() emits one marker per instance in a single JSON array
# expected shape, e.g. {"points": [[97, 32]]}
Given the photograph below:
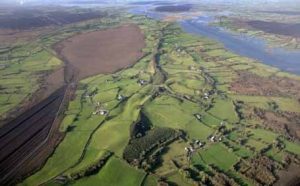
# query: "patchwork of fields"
{"points": [[277, 28], [30, 69], [21, 74], [174, 117], [34, 73]]}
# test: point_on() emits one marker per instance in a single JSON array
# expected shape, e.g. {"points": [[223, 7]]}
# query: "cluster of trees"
{"points": [[210, 175], [239, 105], [92, 169], [259, 168], [140, 128], [138, 148]]}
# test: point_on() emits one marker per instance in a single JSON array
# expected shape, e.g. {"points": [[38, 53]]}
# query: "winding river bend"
{"points": [[252, 47]]}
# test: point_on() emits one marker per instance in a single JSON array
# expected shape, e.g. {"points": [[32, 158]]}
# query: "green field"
{"points": [[25, 65], [187, 92], [23, 75], [218, 155], [115, 172]]}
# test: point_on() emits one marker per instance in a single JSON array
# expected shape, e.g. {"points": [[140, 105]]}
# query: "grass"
{"points": [[67, 121], [178, 179], [178, 115], [174, 152], [210, 120], [264, 135], [23, 67], [168, 107], [115, 172], [224, 110], [257, 145], [284, 103], [150, 180], [216, 154], [23, 72], [106, 96], [69, 150], [90, 158], [243, 152], [89, 137], [292, 147], [223, 76], [276, 155], [197, 130], [200, 65], [181, 89], [239, 150]]}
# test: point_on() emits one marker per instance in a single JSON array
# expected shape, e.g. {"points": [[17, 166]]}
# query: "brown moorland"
{"points": [[252, 84], [280, 121], [104, 51], [276, 28], [290, 177], [26, 18], [285, 122], [87, 54]]}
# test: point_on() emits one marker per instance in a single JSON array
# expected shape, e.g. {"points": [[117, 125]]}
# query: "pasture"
{"points": [[218, 155], [114, 172], [183, 85]]}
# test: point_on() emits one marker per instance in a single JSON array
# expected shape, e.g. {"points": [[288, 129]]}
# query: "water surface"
{"points": [[252, 47]]}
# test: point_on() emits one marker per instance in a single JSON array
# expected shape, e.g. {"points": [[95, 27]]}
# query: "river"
{"points": [[252, 47]]}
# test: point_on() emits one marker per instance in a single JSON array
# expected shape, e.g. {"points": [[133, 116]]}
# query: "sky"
{"points": [[19, 2]]}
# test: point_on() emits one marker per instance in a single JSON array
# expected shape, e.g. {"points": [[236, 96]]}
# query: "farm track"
{"points": [[23, 136]]}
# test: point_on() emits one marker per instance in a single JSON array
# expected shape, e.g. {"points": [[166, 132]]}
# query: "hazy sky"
{"points": [[125, 1]]}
